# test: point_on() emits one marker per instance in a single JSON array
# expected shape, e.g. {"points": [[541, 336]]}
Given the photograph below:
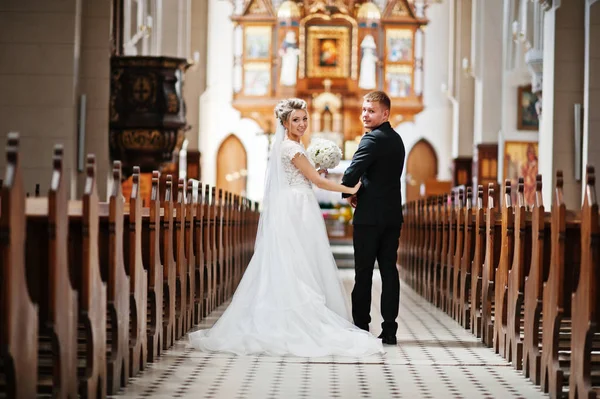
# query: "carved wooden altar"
{"points": [[330, 53]]}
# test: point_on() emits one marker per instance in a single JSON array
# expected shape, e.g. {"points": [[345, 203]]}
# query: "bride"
{"points": [[290, 299]]}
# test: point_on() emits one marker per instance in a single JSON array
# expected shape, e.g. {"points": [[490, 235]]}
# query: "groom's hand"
{"points": [[352, 201]]}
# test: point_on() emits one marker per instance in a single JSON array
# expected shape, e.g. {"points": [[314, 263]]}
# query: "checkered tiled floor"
{"points": [[435, 358]]}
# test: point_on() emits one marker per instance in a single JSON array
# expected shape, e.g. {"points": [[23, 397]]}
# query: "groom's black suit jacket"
{"points": [[379, 160]]}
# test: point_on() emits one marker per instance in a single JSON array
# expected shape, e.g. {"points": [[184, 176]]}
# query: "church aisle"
{"points": [[435, 358]]}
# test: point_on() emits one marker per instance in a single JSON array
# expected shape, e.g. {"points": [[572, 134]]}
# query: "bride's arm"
{"points": [[311, 174]]}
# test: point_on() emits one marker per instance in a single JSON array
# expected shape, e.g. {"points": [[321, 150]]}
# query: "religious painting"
{"points": [[399, 80], [328, 51], [521, 160], [527, 115], [257, 79], [257, 42], [399, 45]]}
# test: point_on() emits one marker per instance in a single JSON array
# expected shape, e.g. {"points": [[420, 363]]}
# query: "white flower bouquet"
{"points": [[324, 153]]}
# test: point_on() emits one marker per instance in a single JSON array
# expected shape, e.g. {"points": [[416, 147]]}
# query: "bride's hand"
{"points": [[356, 188], [323, 172]]}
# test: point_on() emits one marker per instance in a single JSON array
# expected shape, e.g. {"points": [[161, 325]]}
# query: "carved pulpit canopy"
{"points": [[291, 48]]}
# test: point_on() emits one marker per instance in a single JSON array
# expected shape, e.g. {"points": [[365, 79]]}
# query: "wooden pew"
{"points": [[169, 265], [464, 287], [138, 279], [181, 263], [493, 236], [213, 248], [407, 234], [448, 279], [220, 250], [151, 232], [113, 266], [200, 271], [423, 218], [480, 245], [208, 251], [458, 254], [440, 284], [534, 284], [427, 248], [90, 284], [52, 288], [556, 309], [190, 250], [227, 229], [501, 276], [404, 242], [430, 265], [584, 379], [521, 262], [19, 316], [237, 241], [413, 244]]}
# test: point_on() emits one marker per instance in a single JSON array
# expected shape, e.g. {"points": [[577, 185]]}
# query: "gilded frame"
{"points": [[318, 37]]}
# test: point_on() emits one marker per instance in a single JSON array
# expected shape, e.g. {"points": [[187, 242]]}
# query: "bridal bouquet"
{"points": [[324, 153]]}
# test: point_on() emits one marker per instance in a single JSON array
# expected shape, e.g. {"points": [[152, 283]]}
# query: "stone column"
{"points": [[591, 123], [563, 87], [487, 69], [463, 84], [195, 77], [461, 92], [94, 66]]}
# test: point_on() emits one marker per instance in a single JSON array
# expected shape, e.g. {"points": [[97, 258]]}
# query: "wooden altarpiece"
{"points": [[330, 53]]}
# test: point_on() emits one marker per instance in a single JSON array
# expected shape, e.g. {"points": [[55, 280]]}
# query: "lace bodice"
{"points": [[289, 150]]}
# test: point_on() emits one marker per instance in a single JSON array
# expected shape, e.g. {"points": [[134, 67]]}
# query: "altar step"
{"points": [[343, 253]]}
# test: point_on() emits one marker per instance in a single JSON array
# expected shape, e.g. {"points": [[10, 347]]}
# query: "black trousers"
{"points": [[381, 243]]}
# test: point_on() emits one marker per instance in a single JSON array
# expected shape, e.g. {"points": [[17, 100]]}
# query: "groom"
{"points": [[378, 163]]}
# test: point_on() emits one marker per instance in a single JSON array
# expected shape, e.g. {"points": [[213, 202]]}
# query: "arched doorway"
{"points": [[421, 165], [232, 166]]}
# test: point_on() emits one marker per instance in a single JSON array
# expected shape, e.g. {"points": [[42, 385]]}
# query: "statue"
{"points": [[368, 64], [289, 59]]}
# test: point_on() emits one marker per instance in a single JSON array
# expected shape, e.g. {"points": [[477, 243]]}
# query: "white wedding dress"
{"points": [[290, 300]]}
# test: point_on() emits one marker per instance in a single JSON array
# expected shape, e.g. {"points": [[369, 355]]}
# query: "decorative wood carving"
{"points": [[147, 111], [330, 39]]}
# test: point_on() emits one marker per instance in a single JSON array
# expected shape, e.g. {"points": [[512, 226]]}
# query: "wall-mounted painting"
{"points": [[527, 115], [399, 45], [257, 79], [399, 80], [257, 41], [328, 52], [521, 160]]}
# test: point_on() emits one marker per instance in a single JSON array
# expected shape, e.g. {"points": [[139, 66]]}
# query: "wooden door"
{"points": [[421, 165], [232, 166]]}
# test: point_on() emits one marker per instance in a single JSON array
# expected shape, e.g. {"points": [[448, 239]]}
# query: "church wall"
{"points": [[563, 87], [591, 139], [218, 118], [94, 82], [39, 72], [434, 123], [514, 75]]}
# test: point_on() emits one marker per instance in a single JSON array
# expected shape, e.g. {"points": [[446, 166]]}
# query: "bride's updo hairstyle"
{"points": [[284, 108]]}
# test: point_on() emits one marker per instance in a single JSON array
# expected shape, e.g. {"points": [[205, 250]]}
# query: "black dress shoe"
{"points": [[388, 339]]}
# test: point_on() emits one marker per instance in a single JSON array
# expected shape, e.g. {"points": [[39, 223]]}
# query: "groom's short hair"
{"points": [[379, 97]]}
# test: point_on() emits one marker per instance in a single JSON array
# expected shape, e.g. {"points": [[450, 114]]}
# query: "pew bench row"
{"points": [[90, 292], [523, 280]]}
